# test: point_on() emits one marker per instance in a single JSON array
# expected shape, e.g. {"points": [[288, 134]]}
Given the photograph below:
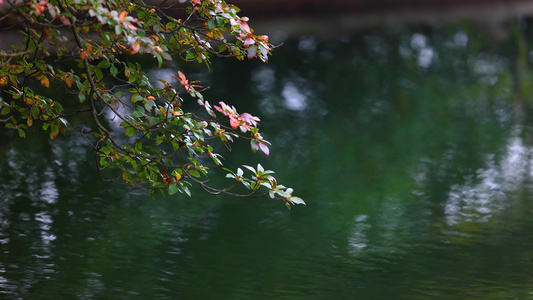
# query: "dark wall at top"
{"points": [[290, 7]]}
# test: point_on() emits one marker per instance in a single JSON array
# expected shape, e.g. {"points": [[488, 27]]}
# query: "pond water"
{"points": [[412, 148]]}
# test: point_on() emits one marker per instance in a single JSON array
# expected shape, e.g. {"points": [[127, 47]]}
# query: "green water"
{"points": [[412, 148]]}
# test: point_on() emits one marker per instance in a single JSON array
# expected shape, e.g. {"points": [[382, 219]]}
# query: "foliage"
{"points": [[161, 145]]}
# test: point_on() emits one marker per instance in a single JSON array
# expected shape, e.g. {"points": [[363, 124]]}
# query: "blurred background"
{"points": [[406, 126]]}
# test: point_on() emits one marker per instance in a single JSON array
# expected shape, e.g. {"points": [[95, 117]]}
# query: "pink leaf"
{"points": [[249, 41], [264, 148]]}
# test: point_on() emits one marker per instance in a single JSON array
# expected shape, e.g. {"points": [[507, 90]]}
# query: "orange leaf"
{"points": [[135, 48], [45, 82], [181, 76], [123, 15]]}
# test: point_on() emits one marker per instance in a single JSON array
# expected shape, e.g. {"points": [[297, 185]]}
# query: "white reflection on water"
{"points": [[460, 39], [45, 223], [48, 190], [294, 98], [265, 81], [426, 54], [296, 92], [162, 74], [358, 239], [478, 199], [488, 68], [307, 44]]}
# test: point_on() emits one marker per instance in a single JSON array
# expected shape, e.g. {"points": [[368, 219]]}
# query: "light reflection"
{"points": [[264, 78], [307, 44], [479, 198], [460, 39], [426, 54], [45, 224], [294, 99], [358, 239], [488, 68], [163, 74], [49, 191]]}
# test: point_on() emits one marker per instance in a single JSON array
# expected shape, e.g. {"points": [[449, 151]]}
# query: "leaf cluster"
{"points": [[159, 146]]}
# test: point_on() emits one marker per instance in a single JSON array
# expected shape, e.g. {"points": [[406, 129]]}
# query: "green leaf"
{"points": [[148, 105], [103, 162], [104, 64], [173, 188], [21, 132], [252, 51], [136, 97], [105, 150], [133, 78], [170, 25], [98, 74], [138, 112], [5, 110], [129, 131], [54, 129], [211, 23], [159, 59], [113, 70], [166, 56]]}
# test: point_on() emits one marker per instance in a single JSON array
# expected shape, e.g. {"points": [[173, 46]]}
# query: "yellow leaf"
{"points": [[30, 122], [178, 176]]}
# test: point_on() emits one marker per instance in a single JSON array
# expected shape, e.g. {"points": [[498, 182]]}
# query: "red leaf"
{"points": [[234, 123]]}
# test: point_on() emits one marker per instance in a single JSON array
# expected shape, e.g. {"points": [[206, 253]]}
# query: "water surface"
{"points": [[411, 147]]}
